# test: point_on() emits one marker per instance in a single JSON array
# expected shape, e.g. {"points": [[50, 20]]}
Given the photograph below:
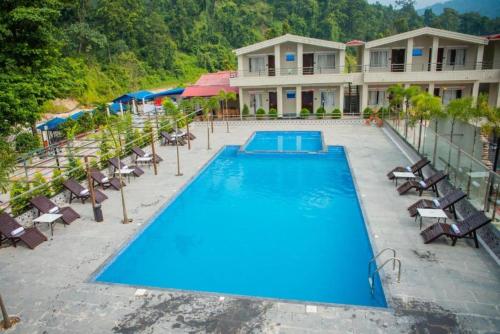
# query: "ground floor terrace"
{"points": [[443, 289]]}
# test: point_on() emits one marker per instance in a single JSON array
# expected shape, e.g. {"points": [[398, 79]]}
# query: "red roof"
{"points": [[210, 84], [355, 42], [493, 37]]}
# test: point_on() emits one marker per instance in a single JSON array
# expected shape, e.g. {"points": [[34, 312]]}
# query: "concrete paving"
{"points": [[443, 289]]}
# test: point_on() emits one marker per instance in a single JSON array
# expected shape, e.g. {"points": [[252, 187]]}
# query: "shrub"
{"points": [[86, 122], [104, 151], [383, 112], [26, 142], [320, 112], [57, 181], [18, 205], [75, 168], [41, 183], [336, 113], [246, 111], [367, 112], [260, 113], [273, 113], [146, 133], [304, 113]]}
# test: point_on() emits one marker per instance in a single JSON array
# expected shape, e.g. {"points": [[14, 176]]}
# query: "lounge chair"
{"points": [[118, 164], [415, 168], [169, 140], [45, 205], [184, 135], [465, 229], [421, 186], [76, 190], [102, 180], [141, 154], [11, 230], [444, 203]]}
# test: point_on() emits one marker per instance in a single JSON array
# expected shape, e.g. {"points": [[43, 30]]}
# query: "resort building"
{"points": [[292, 72]]}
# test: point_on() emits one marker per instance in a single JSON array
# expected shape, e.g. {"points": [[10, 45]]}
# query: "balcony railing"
{"points": [[425, 67]]}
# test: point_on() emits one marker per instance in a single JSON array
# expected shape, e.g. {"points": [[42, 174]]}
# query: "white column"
{"points": [[277, 59], [341, 61], [298, 99], [406, 86], [409, 54], [279, 100], [300, 59], [240, 98], [341, 99], [240, 66], [366, 60], [479, 57], [431, 88], [364, 97], [475, 91], [434, 55], [498, 95]]}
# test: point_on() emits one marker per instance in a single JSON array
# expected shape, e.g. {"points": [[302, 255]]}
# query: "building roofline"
{"points": [[427, 31], [289, 38]]}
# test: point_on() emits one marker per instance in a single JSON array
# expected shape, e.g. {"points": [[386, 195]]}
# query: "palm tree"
{"points": [[457, 109], [226, 96], [208, 105], [425, 106], [492, 127], [396, 98]]}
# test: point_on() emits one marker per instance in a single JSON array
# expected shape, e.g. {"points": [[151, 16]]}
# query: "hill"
{"points": [[489, 8]]}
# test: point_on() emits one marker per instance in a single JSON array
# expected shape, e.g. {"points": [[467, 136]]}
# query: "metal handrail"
{"points": [[380, 253], [371, 279]]}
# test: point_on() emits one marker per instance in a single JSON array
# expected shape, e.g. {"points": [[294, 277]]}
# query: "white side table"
{"points": [[403, 175], [49, 218], [431, 213]]}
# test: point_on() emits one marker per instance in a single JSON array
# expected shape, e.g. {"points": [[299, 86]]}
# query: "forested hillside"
{"points": [[93, 50]]}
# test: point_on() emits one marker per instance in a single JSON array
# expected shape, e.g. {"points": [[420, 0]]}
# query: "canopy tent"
{"points": [[170, 92], [52, 124], [114, 108], [138, 96], [77, 115]]}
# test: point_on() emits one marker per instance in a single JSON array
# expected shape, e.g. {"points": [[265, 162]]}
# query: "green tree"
{"points": [[425, 106]]}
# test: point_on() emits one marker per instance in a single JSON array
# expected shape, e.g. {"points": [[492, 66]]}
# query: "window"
{"points": [[376, 98], [290, 56], [290, 94], [256, 64], [325, 61], [327, 100], [456, 57], [379, 58], [256, 101], [451, 94]]}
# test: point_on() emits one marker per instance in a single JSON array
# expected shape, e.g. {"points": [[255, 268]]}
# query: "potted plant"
{"points": [[260, 113], [273, 113], [320, 112], [336, 113], [246, 111], [304, 113], [367, 112]]}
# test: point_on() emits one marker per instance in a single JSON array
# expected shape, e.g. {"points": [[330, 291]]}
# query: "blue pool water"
{"points": [[286, 226], [285, 141]]}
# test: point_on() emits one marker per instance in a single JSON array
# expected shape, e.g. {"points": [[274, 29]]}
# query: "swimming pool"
{"points": [[285, 141], [285, 226]]}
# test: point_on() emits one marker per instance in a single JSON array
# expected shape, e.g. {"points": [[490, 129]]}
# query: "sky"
{"points": [[418, 4]]}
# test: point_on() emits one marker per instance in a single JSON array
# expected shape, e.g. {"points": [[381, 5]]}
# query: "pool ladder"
{"points": [[371, 274]]}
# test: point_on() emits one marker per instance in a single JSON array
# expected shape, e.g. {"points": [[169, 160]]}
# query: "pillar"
{"points": [[498, 95], [475, 91], [366, 60], [240, 98], [479, 57], [341, 99], [279, 100], [406, 86], [298, 100], [409, 55], [434, 55], [300, 59], [431, 88], [341, 68], [364, 97], [277, 59]]}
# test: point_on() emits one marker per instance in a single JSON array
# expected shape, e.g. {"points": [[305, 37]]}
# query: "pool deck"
{"points": [[443, 289]]}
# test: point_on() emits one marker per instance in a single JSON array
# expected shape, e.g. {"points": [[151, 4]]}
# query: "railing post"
{"points": [[153, 152], [7, 321], [25, 168], [177, 149], [188, 134]]}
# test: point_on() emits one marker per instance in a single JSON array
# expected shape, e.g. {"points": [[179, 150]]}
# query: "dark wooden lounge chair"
{"points": [[102, 180], [118, 164], [184, 135], [76, 190], [446, 202], [421, 186], [465, 229], [140, 153], [415, 168], [45, 205], [11, 230], [169, 140]]}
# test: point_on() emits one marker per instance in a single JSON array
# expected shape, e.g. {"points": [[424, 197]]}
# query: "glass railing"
{"points": [[464, 171]]}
